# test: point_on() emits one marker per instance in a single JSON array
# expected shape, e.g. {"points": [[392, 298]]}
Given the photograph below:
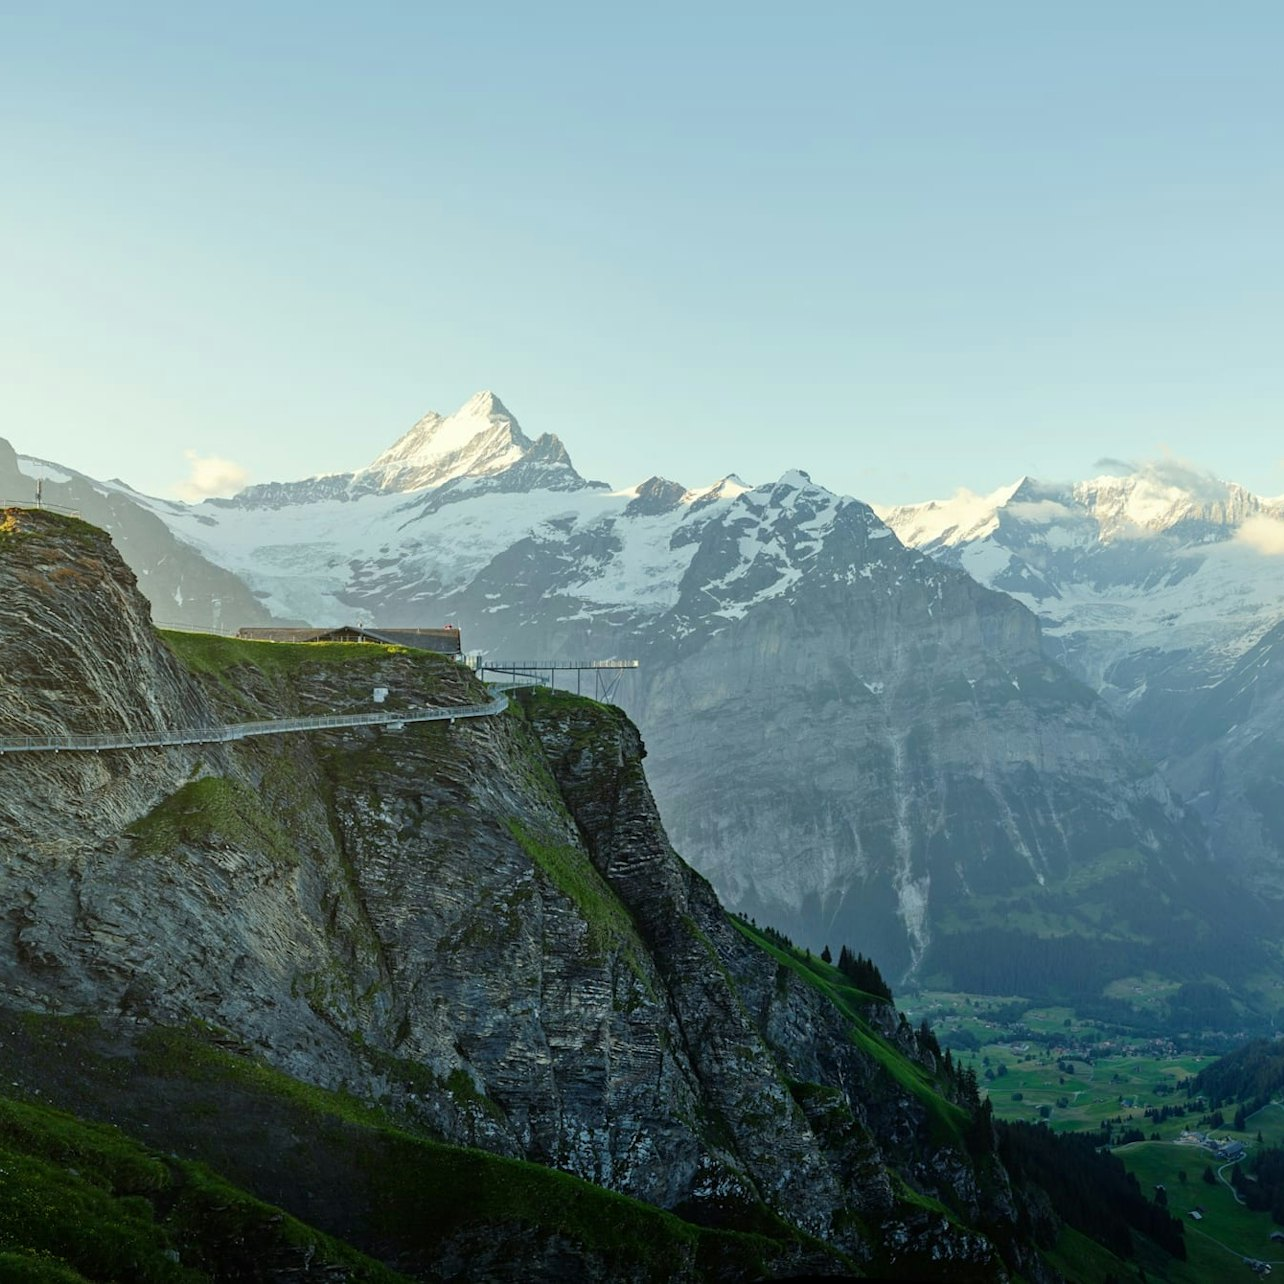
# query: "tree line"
{"points": [[1252, 1075], [1090, 1188]]}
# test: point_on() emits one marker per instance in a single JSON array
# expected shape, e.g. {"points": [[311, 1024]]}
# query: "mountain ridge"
{"points": [[1156, 590], [480, 440], [957, 757], [485, 930]]}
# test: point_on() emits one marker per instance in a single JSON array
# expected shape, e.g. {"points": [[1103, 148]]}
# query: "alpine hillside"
{"points": [[855, 741], [447, 997], [1163, 589]]}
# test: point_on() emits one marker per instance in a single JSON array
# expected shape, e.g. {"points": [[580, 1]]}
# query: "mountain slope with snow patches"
{"points": [[854, 741], [1155, 588]]}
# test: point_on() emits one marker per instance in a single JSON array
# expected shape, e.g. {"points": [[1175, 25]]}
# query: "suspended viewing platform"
{"points": [[443, 641], [606, 673]]}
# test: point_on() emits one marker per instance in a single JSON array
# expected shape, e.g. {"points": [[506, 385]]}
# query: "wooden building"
{"points": [[445, 641]]}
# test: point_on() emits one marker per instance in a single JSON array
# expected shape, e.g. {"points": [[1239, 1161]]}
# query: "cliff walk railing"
{"points": [[26, 503], [244, 730], [606, 673], [170, 627], [505, 666]]}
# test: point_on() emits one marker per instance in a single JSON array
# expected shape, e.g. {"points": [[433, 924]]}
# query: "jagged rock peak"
{"points": [[1154, 498], [1161, 494], [481, 438], [656, 495], [486, 403], [549, 449]]}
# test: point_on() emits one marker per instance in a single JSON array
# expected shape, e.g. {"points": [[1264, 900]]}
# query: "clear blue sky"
{"points": [[906, 247]]}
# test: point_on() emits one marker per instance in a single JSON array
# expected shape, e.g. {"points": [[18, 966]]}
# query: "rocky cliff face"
{"points": [[854, 741], [481, 925], [1162, 590], [898, 770], [184, 587], [80, 656]]}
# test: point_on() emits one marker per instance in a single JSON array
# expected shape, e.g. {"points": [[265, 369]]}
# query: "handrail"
{"points": [[26, 503], [500, 666], [243, 730], [170, 627]]}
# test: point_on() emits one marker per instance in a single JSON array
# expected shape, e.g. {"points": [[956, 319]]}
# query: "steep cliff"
{"points": [[1162, 590], [883, 754], [852, 740], [184, 587], [476, 933]]}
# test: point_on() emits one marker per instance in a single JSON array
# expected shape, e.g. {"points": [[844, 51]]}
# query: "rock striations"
{"points": [[481, 927], [853, 739], [1163, 589]]}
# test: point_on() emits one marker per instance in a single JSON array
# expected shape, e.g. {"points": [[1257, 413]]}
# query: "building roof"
{"points": [[444, 640]]}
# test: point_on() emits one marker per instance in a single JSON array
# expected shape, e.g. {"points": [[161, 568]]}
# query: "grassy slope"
{"points": [[332, 1159], [574, 875], [82, 1201], [210, 654], [1227, 1231], [948, 1120], [233, 668], [209, 809]]}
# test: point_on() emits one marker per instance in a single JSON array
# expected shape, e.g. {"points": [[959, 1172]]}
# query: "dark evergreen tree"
{"points": [[863, 974], [1090, 1188], [980, 1136], [927, 1040], [1253, 1074]]}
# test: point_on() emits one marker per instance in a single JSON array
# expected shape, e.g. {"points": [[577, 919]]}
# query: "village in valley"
{"points": [[1048, 1064]]}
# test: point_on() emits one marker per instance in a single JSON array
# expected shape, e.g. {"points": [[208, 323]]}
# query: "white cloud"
{"points": [[210, 475], [1171, 472], [1265, 534], [1041, 511]]}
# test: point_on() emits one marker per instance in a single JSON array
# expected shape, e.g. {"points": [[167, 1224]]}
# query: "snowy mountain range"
{"points": [[1164, 590], [857, 739]]}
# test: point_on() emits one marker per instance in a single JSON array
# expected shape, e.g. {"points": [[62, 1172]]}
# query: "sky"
{"points": [[908, 248]]}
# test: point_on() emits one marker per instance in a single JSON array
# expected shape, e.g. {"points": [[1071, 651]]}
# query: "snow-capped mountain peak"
{"points": [[481, 438], [964, 517], [729, 487], [1158, 497], [1160, 558]]}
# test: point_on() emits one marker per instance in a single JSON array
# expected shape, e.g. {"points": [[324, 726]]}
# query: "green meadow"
{"points": [[1044, 1064], [1070, 1093], [1226, 1232]]}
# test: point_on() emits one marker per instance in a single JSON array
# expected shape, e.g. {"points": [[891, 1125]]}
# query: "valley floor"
{"points": [[1047, 1064]]}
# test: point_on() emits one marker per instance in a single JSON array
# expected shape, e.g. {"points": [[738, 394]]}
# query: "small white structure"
{"points": [[380, 694]]}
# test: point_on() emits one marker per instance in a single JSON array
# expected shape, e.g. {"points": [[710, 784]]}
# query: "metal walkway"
{"points": [[523, 673], [244, 730], [606, 673]]}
